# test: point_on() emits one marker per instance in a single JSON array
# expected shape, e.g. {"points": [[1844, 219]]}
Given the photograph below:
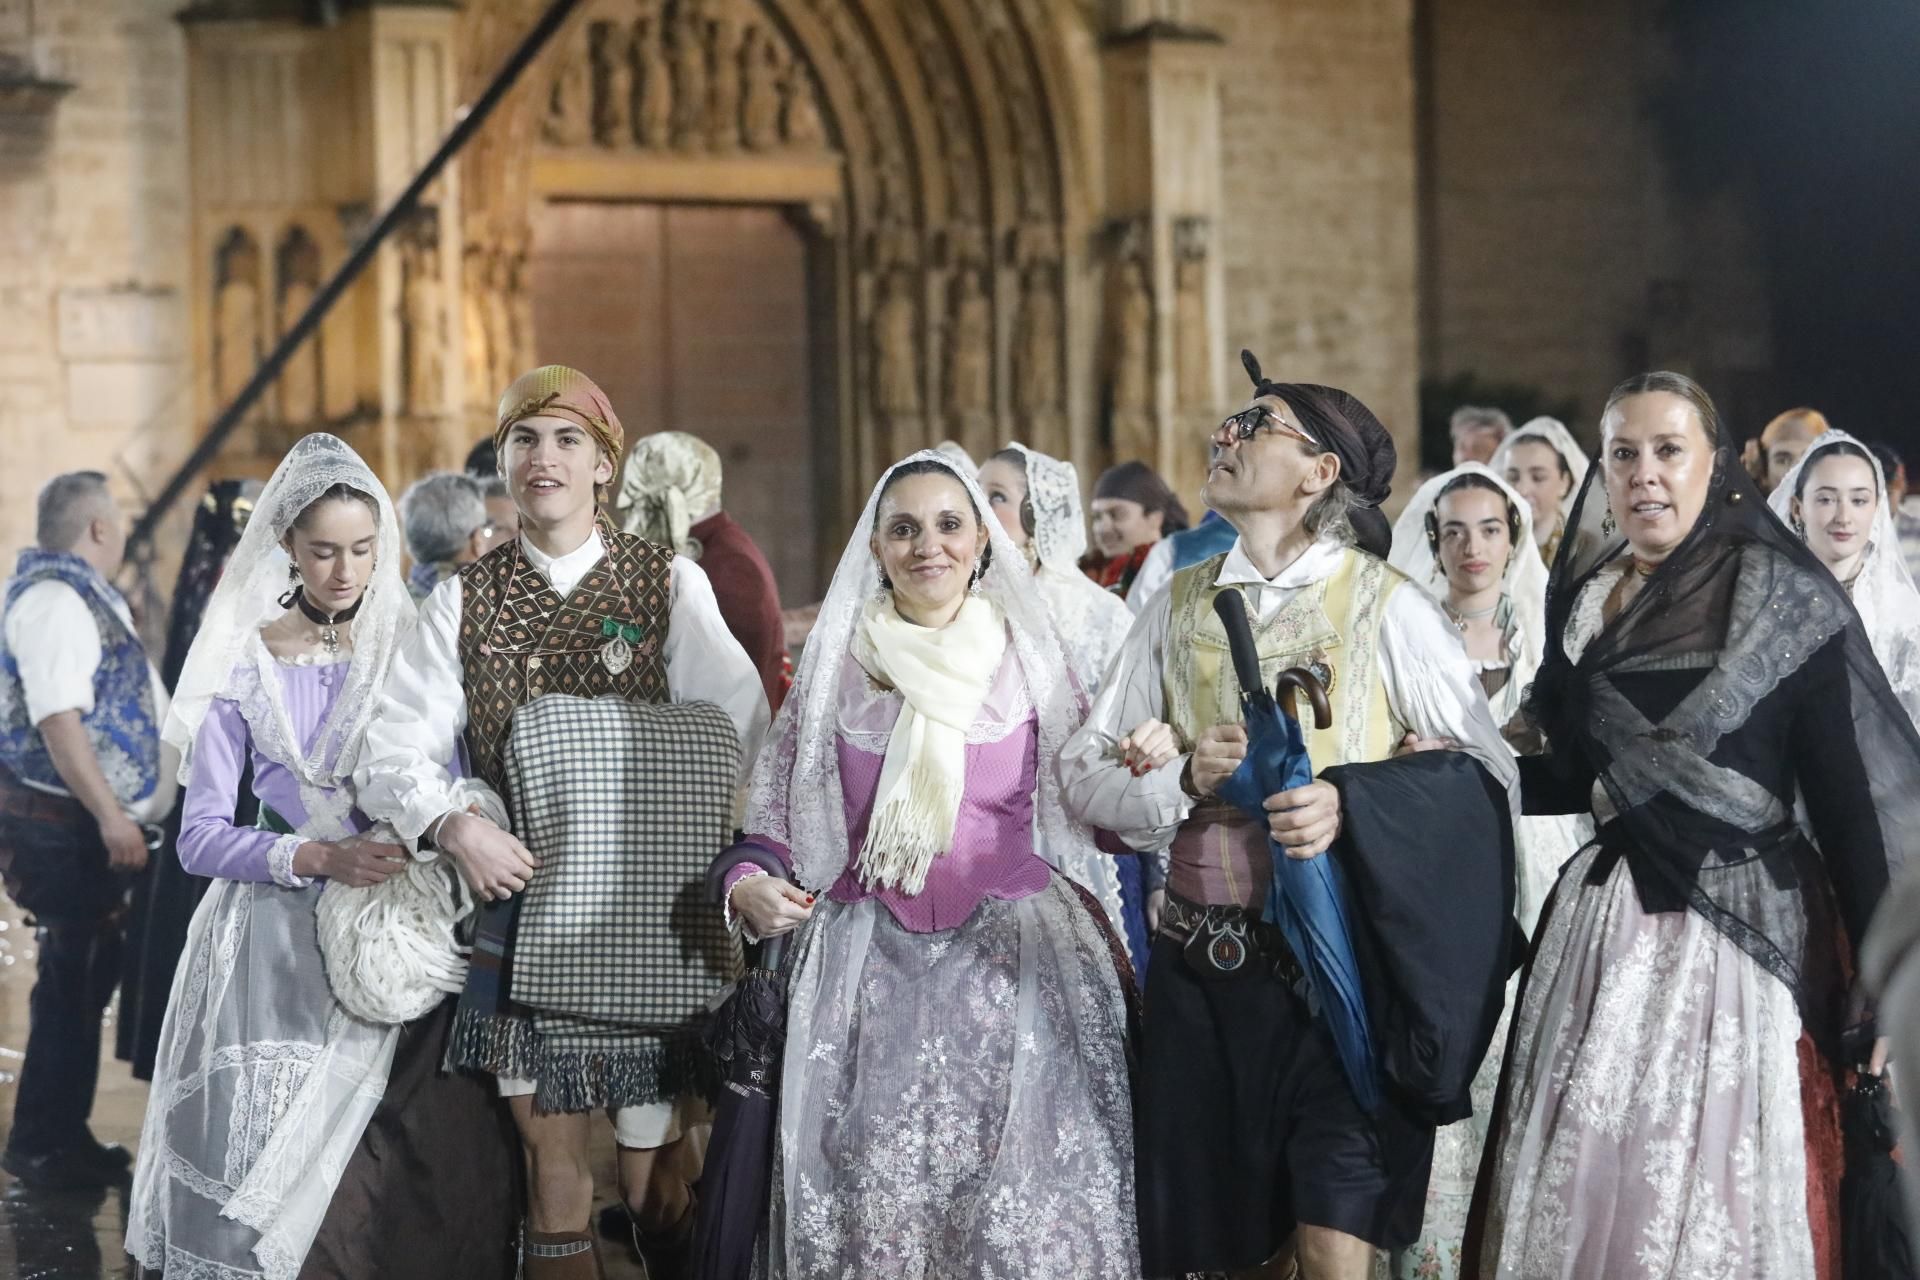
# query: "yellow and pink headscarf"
{"points": [[555, 391]]}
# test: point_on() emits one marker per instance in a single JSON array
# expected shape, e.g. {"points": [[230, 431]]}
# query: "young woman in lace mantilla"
{"points": [[1468, 537], [280, 1128], [1036, 498], [1835, 498]]}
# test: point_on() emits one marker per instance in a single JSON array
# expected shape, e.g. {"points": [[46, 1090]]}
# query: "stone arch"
{"points": [[955, 241]]}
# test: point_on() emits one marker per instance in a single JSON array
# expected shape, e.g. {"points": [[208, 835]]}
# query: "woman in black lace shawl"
{"points": [[165, 896], [1668, 1106]]}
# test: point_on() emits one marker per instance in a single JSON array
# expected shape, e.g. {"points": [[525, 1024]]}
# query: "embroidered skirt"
{"points": [[1653, 1121], [955, 1104]]}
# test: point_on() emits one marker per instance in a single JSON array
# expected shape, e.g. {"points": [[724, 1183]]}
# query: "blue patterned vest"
{"points": [[121, 725]]}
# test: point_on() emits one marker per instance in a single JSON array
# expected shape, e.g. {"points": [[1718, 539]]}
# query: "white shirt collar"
{"points": [[571, 566], [1316, 562]]}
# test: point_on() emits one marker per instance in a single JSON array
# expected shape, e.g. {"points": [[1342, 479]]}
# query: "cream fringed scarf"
{"points": [[942, 675]]}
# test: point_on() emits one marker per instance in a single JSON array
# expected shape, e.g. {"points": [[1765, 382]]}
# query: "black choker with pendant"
{"points": [[329, 624]]}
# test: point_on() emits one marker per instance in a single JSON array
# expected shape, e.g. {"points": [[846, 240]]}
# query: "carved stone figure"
{"points": [[723, 120], [613, 105], [1190, 340], [236, 318], [423, 328], [299, 383], [800, 122], [504, 360], [475, 342], [896, 374], [298, 387], [570, 106], [691, 84], [656, 86], [969, 388], [760, 113], [1133, 364], [520, 302], [1036, 344]]}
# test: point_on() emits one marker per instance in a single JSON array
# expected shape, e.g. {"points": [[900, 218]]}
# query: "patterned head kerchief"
{"points": [[1339, 422], [671, 481], [555, 391]]}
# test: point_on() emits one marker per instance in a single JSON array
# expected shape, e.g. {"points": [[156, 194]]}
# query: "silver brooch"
{"points": [[616, 655]]}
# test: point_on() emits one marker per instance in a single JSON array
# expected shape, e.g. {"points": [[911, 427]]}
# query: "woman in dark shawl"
{"points": [[1669, 1104], [166, 894]]}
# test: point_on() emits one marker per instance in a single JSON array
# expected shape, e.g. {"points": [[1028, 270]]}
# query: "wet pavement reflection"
{"points": [[80, 1235]]}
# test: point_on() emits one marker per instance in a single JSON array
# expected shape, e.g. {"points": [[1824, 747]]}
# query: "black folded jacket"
{"points": [[1427, 846]]}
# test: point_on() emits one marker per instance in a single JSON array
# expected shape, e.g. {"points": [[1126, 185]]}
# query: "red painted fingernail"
{"points": [[809, 899]]}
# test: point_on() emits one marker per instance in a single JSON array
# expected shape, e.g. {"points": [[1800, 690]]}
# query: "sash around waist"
{"points": [[1221, 857]]}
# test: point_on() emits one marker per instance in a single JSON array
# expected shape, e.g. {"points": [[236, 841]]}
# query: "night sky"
{"points": [[1813, 109]]}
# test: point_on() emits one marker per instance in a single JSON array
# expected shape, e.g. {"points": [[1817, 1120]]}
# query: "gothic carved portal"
{"points": [[940, 121]]}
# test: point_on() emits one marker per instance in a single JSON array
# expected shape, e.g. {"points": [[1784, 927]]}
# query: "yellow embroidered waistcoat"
{"points": [[1331, 627]]}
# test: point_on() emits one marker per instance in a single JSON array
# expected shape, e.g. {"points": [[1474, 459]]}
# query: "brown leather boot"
{"points": [[562, 1255], [668, 1253]]}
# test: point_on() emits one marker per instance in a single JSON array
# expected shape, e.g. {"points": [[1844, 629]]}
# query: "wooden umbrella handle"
{"points": [[1300, 680]]}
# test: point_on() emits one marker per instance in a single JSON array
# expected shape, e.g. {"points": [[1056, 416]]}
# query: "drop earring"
{"points": [[293, 587], [1606, 524]]}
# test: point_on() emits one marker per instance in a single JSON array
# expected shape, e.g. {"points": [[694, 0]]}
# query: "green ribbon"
{"points": [[268, 820], [628, 631]]}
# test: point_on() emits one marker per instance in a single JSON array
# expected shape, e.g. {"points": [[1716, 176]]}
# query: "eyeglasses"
{"points": [[1248, 423]]}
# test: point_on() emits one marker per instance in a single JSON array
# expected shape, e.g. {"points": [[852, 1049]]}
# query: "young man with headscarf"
{"points": [[571, 607], [1250, 1129], [670, 494]]}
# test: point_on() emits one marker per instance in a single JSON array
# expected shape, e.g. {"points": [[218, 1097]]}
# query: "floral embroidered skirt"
{"points": [[1653, 1126], [955, 1104]]}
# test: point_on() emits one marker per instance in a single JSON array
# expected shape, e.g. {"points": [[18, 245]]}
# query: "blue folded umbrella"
{"points": [[1307, 900]]}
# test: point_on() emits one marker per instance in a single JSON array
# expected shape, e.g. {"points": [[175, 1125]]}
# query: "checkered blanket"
{"points": [[593, 981]]}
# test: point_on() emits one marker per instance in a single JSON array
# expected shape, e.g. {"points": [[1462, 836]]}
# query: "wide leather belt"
{"points": [[29, 805]]}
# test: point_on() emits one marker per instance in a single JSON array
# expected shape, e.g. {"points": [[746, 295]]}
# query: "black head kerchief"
{"points": [[1340, 422]]}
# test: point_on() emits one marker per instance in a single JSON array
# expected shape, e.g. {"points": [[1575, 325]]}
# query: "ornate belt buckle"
{"points": [[1219, 946]]}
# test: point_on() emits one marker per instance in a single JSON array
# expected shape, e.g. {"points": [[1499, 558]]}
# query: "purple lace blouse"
{"points": [[210, 844], [992, 854]]}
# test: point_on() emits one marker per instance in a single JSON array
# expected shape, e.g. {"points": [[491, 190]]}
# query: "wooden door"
{"points": [[696, 318]]}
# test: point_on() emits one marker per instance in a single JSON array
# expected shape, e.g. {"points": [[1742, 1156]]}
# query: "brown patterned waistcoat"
{"points": [[519, 640]]}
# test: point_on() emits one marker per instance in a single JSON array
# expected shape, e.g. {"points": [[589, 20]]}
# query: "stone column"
{"points": [[1163, 271], [412, 80]]}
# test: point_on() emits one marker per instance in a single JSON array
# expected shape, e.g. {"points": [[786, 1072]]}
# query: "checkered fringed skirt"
{"points": [[595, 982], [956, 1103]]}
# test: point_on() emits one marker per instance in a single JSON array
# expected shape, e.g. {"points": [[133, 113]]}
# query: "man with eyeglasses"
{"points": [[1249, 1128], [448, 523]]}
